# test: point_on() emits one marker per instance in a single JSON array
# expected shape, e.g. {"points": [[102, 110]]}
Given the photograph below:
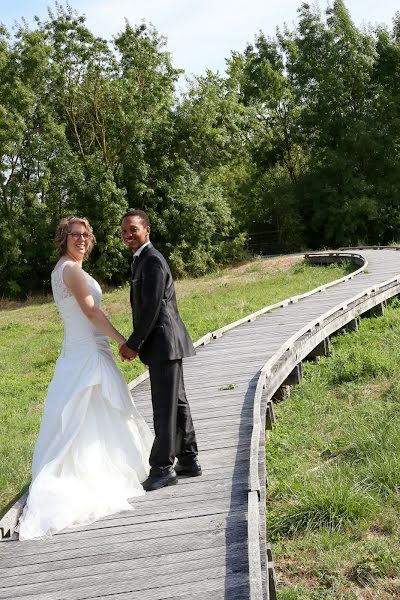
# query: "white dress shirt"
{"points": [[138, 251]]}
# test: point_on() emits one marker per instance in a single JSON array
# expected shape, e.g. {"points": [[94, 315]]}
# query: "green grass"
{"points": [[31, 338], [333, 464]]}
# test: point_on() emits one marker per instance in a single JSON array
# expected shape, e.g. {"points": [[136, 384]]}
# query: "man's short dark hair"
{"points": [[133, 212]]}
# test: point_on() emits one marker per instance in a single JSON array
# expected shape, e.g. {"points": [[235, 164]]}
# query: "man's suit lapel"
{"points": [[145, 250], [136, 261]]}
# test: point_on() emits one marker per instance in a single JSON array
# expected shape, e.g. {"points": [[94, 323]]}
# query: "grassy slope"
{"points": [[334, 472], [31, 337]]}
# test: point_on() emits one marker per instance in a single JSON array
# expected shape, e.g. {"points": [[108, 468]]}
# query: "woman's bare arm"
{"points": [[74, 279]]}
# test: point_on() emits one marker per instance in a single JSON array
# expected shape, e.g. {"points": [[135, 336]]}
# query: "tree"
{"points": [[96, 133], [332, 65]]}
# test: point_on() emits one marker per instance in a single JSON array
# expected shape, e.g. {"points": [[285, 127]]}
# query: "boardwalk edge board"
{"points": [[336, 256], [9, 521], [271, 377]]}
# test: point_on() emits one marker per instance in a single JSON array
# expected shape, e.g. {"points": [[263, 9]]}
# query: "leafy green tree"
{"points": [[385, 169], [300, 138], [275, 157], [28, 138], [97, 131], [332, 65]]}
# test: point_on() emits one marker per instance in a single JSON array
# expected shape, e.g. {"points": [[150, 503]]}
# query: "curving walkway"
{"points": [[204, 538]]}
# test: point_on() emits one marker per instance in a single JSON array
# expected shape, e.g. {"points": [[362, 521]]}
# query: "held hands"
{"points": [[126, 353]]}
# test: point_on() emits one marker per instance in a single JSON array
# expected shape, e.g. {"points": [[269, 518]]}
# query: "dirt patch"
{"points": [[391, 588], [377, 389]]}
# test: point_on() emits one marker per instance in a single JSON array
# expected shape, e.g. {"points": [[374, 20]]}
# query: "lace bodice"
{"points": [[77, 326], [60, 290]]}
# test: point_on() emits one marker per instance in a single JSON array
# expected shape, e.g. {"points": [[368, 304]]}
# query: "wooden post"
{"points": [[376, 311], [323, 349], [272, 587], [282, 393], [270, 415], [295, 376], [352, 325]]}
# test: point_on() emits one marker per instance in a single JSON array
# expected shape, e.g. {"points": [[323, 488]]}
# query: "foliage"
{"points": [[323, 102], [298, 140], [90, 128]]}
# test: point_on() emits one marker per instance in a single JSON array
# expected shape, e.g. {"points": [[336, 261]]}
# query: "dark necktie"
{"points": [[134, 266]]}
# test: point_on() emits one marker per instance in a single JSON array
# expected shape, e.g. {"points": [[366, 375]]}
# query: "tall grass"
{"points": [[334, 471]]}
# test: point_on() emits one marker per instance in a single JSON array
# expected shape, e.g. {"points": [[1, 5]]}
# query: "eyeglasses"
{"points": [[77, 235]]}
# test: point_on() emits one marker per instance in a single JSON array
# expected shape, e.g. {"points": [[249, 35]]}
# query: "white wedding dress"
{"points": [[93, 446]]}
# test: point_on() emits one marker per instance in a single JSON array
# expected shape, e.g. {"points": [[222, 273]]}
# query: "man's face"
{"points": [[134, 232]]}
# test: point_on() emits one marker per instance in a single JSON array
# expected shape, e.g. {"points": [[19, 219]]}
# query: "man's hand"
{"points": [[126, 353]]}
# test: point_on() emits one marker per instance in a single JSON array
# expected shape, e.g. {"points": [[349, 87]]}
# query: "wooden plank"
{"points": [[159, 512], [272, 580], [64, 570], [138, 532], [227, 433], [231, 410], [212, 425], [217, 398], [111, 551], [256, 590], [163, 519], [219, 444], [115, 553], [89, 586], [233, 586], [212, 492]]}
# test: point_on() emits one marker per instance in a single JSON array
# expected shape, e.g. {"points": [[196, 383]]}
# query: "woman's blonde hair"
{"points": [[64, 228]]}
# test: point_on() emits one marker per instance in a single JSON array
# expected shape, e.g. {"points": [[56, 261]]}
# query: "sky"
{"points": [[200, 33]]}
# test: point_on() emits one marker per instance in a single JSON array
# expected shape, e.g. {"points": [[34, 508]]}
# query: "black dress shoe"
{"points": [[192, 469], [159, 480]]}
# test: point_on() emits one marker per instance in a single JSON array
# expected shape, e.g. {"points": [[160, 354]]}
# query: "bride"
{"points": [[93, 446]]}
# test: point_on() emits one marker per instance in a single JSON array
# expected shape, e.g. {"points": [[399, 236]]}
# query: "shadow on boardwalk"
{"points": [[237, 573]]}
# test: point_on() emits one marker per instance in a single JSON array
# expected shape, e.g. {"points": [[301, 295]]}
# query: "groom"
{"points": [[161, 341]]}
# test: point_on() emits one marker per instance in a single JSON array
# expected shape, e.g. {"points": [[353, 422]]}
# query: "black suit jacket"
{"points": [[158, 330]]}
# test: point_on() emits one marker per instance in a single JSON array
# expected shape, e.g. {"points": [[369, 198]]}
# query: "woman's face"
{"points": [[77, 241]]}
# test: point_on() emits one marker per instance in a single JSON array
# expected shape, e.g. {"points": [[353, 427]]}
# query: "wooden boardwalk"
{"points": [[191, 541]]}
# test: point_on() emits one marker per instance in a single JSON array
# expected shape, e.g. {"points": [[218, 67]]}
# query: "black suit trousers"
{"points": [[173, 426]]}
